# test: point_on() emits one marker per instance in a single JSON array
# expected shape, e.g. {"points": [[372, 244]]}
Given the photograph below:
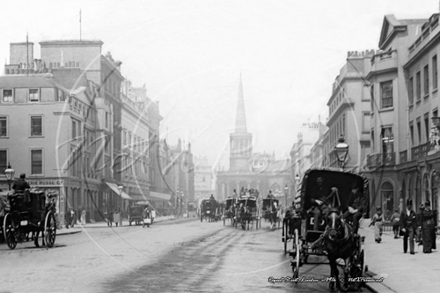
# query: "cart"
{"points": [[31, 211]]}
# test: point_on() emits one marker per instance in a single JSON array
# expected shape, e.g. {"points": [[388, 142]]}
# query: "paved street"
{"points": [[170, 256]]}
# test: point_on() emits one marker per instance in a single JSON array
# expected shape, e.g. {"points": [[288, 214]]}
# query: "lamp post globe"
{"points": [[9, 174], [341, 150]]}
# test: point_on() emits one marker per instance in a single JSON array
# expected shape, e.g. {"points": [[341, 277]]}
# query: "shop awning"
{"points": [[115, 188], [138, 197], [158, 195]]}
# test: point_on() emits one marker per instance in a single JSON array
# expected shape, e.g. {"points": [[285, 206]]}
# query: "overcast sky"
{"points": [[190, 54]]}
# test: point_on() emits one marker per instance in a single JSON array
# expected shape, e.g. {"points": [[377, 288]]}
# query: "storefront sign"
{"points": [[43, 182]]}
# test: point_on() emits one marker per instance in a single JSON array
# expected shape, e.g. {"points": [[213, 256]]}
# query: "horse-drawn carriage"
{"points": [[229, 210], [246, 212], [31, 211], [271, 211], [317, 227], [208, 210]]}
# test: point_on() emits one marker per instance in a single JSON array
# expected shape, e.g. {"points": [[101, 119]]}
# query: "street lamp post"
{"points": [[341, 150], [9, 174]]}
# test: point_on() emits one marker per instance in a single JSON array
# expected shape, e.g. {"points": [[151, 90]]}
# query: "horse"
{"points": [[245, 216], [339, 242], [273, 215]]}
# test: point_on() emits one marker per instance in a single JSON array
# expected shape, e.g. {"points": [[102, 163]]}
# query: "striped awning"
{"points": [[121, 193]]}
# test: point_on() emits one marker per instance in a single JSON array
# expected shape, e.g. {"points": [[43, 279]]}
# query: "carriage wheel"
{"points": [[8, 231], [285, 236], [297, 246], [50, 229]]}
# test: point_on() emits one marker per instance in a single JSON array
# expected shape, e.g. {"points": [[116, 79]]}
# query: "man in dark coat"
{"points": [[21, 184], [322, 199], [270, 195], [428, 219], [356, 206], [408, 225]]}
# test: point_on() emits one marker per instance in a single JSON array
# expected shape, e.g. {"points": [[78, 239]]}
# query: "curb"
{"points": [[377, 287]]}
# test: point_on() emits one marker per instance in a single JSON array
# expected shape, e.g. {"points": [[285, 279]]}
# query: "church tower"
{"points": [[240, 140]]}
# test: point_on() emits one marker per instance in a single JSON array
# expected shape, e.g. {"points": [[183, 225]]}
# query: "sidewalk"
{"points": [[401, 272], [102, 224]]}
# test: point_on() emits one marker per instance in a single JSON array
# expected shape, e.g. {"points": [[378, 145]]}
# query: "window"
{"points": [[343, 124], [106, 144], [36, 126], [372, 98], [7, 96], [365, 122], [411, 130], [61, 96], [36, 162], [106, 120], [34, 96], [125, 137], [426, 80], [418, 86], [427, 126], [3, 126], [411, 90], [372, 140], [74, 134], [386, 94], [419, 131], [434, 73], [387, 140], [3, 161]]}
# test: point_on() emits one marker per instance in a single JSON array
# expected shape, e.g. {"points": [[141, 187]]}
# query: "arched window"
{"points": [[387, 196], [426, 187], [434, 195]]}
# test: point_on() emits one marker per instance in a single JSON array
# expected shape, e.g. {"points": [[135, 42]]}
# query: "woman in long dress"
{"points": [[428, 227]]}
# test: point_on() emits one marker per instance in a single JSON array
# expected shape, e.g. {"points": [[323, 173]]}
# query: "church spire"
{"points": [[240, 122]]}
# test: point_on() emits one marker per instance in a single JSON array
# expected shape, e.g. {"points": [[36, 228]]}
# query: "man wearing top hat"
{"points": [[408, 226]]}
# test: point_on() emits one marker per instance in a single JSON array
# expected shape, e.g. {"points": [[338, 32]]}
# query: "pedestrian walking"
{"points": [[408, 226], [377, 222], [395, 220], [83, 217], [109, 217], [428, 219], [419, 224], [68, 219], [146, 217]]}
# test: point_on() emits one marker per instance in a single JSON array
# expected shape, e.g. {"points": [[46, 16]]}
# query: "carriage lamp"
{"points": [[297, 180], [341, 150], [9, 174]]}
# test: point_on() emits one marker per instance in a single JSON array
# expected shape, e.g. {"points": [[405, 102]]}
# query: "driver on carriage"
{"points": [[322, 202], [270, 195], [356, 206], [20, 185]]}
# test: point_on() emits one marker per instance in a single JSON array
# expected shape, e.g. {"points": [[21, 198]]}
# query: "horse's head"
{"points": [[335, 225]]}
